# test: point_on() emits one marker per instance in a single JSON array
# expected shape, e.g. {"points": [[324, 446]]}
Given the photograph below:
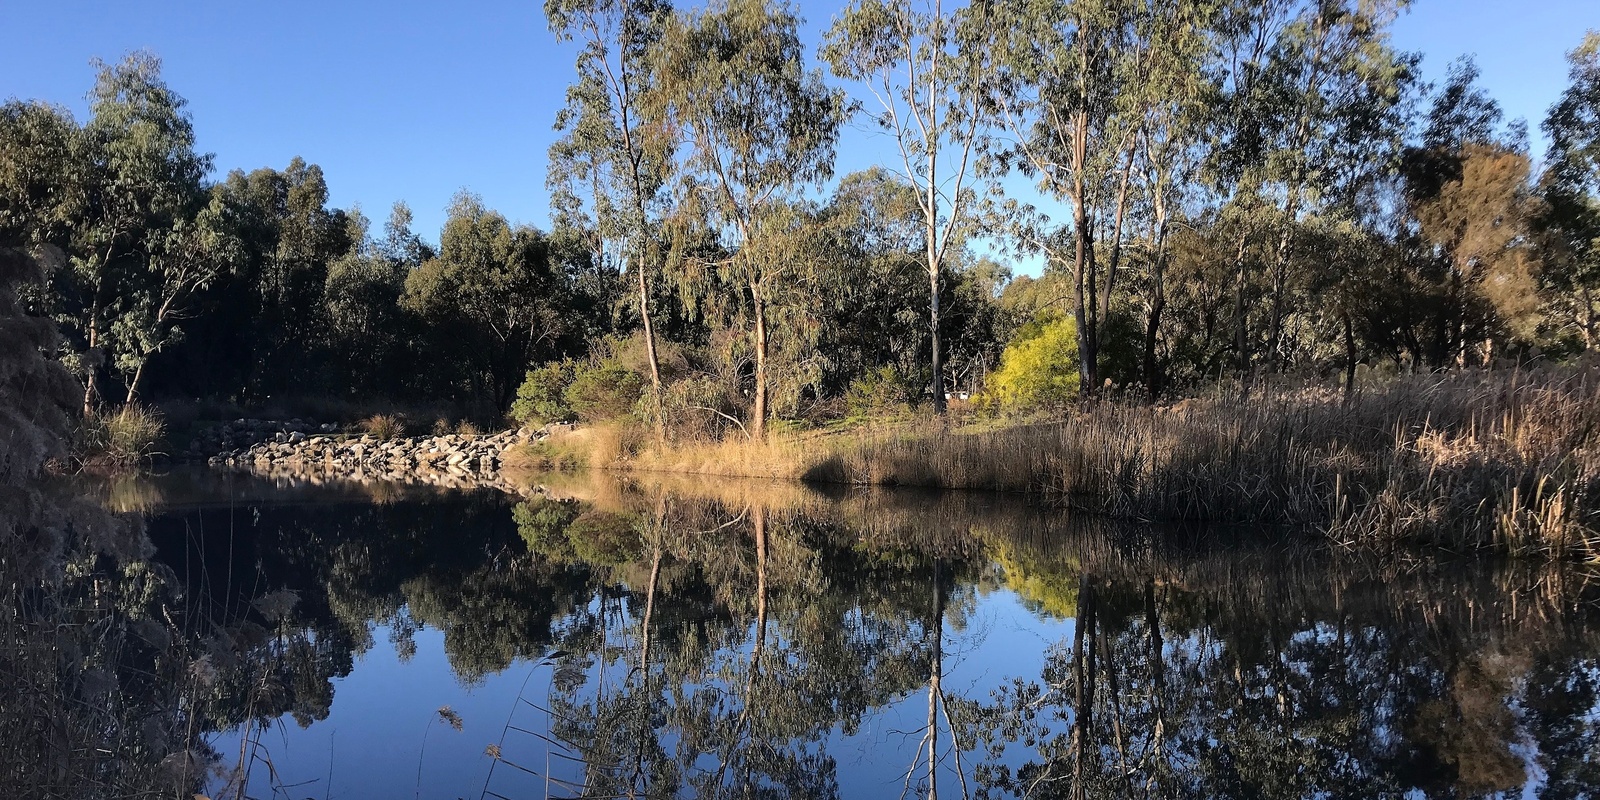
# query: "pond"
{"points": [[652, 637]]}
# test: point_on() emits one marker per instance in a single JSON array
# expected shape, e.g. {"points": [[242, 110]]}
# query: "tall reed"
{"points": [[1506, 459]]}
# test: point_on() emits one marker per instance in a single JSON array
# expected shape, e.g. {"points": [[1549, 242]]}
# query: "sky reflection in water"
{"points": [[789, 651]]}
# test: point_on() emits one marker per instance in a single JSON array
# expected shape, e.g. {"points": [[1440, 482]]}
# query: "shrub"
{"points": [[542, 396], [1039, 368], [702, 407], [607, 391], [880, 392], [124, 437], [384, 426]]}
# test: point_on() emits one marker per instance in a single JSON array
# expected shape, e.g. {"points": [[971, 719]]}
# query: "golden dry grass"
{"points": [[122, 438], [1508, 460]]}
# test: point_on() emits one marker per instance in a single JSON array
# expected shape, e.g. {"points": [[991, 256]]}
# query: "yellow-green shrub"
{"points": [[1039, 368]]}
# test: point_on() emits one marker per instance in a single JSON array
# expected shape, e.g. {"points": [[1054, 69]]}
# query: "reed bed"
{"points": [[1505, 460]]}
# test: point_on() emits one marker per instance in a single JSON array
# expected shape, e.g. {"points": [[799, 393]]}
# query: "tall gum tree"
{"points": [[1171, 146], [493, 286], [1303, 78], [1571, 189], [760, 128], [140, 172], [916, 60], [1070, 85], [182, 261], [615, 147]]}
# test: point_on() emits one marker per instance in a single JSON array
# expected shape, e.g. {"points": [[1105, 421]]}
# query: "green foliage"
{"points": [[604, 391], [927, 77], [542, 396], [604, 537], [494, 291], [1570, 222], [882, 392], [565, 531], [542, 523], [604, 386], [1039, 368], [760, 127]]}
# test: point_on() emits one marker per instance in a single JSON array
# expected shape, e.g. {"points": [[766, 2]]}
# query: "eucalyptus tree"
{"points": [[1571, 186], [760, 128], [367, 329], [1054, 87], [1172, 144], [39, 144], [1246, 34], [1076, 86], [139, 172], [492, 287], [872, 324], [268, 333], [182, 261], [1304, 79], [616, 147], [919, 62]]}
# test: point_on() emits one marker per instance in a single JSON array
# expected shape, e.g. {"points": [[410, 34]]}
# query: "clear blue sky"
{"points": [[406, 100]]}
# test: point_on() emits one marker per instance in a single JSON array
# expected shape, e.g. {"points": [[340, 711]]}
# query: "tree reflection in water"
{"points": [[722, 641]]}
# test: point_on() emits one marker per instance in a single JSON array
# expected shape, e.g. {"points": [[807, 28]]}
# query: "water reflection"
{"points": [[678, 638]]}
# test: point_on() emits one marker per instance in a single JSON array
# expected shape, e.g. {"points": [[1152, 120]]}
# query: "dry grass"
{"points": [[1508, 460], [384, 426], [784, 457], [126, 437], [607, 445]]}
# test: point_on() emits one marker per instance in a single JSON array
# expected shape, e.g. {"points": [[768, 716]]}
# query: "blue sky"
{"points": [[412, 101]]}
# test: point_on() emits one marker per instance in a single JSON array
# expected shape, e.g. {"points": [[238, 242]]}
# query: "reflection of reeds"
{"points": [[1040, 550]]}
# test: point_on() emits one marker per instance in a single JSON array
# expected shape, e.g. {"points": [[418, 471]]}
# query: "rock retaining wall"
{"points": [[369, 456]]}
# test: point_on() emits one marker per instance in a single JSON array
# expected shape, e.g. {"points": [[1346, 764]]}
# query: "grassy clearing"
{"points": [[1508, 460]]}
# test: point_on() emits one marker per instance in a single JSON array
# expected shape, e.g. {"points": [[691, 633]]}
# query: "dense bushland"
{"points": [[1240, 194], [1327, 213]]}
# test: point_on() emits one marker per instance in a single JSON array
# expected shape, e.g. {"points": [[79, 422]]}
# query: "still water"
{"points": [[595, 638]]}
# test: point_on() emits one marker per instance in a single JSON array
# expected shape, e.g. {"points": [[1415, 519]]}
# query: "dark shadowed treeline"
{"points": [[1228, 190]]}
